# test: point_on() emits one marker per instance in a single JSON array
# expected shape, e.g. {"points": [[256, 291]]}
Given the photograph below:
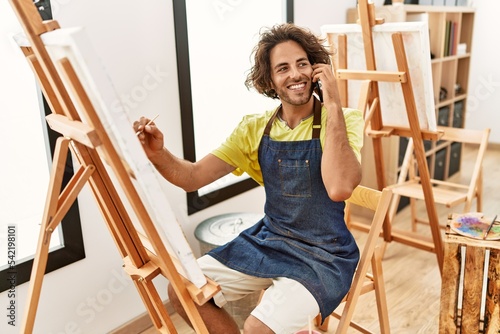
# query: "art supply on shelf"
{"points": [[489, 227], [474, 225]]}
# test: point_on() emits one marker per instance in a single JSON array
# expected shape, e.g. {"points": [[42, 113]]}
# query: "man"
{"points": [[306, 155]]}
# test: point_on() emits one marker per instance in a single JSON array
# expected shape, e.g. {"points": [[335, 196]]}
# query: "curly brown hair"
{"points": [[259, 76]]}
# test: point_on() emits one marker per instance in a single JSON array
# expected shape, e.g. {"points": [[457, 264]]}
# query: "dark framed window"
{"points": [[71, 248], [224, 15]]}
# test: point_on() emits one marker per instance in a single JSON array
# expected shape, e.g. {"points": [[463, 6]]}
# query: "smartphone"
{"points": [[317, 85]]}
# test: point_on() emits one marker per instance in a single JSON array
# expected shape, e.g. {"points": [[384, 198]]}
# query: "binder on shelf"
{"points": [[455, 156], [458, 113], [439, 164], [444, 116]]}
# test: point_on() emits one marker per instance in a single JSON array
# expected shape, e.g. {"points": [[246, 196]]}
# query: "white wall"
{"points": [[314, 13], [483, 105]]}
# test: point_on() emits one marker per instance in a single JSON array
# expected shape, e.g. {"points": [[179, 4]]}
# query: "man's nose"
{"points": [[295, 73]]}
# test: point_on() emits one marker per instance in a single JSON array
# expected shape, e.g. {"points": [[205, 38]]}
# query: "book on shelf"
{"points": [[447, 39], [455, 37], [451, 38]]}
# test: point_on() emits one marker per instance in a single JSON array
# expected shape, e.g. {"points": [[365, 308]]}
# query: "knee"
{"points": [[254, 325], [249, 325]]}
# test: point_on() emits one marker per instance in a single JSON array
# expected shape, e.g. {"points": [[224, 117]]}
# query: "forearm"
{"points": [[341, 170], [187, 175], [175, 170], [190, 176]]}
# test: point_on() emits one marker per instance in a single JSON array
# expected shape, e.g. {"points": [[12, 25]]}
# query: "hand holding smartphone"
{"points": [[318, 90], [317, 85]]}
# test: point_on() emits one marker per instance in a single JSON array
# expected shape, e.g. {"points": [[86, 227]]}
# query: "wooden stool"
{"points": [[470, 292]]}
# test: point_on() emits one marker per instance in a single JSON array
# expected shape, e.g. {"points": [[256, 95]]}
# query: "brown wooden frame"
{"points": [[377, 130]]}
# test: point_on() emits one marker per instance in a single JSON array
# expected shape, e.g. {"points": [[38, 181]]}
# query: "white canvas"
{"points": [[416, 42], [74, 44]]}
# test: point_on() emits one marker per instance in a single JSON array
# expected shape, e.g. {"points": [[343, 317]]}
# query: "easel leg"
{"points": [[381, 183], [380, 290], [55, 208], [42, 252], [156, 309], [416, 133]]}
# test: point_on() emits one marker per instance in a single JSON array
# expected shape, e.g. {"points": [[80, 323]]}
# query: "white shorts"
{"points": [[286, 305]]}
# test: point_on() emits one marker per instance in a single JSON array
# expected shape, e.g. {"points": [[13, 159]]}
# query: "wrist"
{"points": [[333, 107], [156, 157]]}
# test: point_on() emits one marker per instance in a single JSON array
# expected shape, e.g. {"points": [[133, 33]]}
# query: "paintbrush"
{"points": [[489, 227], [148, 123]]}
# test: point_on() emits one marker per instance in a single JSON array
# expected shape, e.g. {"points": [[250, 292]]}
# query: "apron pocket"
{"points": [[295, 178]]}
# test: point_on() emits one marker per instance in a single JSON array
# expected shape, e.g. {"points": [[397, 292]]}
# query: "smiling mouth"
{"points": [[297, 86]]}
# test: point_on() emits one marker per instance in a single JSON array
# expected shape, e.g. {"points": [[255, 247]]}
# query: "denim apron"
{"points": [[303, 235]]}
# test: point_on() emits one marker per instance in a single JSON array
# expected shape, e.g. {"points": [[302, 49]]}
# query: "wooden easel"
{"points": [[145, 256], [377, 131]]}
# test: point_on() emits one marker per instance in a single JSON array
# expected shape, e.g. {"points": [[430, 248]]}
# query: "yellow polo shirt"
{"points": [[241, 148]]}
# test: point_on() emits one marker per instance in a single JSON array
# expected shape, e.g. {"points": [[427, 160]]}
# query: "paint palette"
{"points": [[474, 225]]}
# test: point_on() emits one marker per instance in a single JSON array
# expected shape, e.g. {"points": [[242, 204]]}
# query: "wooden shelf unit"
{"points": [[448, 72]]}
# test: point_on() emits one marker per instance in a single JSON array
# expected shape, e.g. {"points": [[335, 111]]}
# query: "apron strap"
{"points": [[316, 120], [267, 130]]}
